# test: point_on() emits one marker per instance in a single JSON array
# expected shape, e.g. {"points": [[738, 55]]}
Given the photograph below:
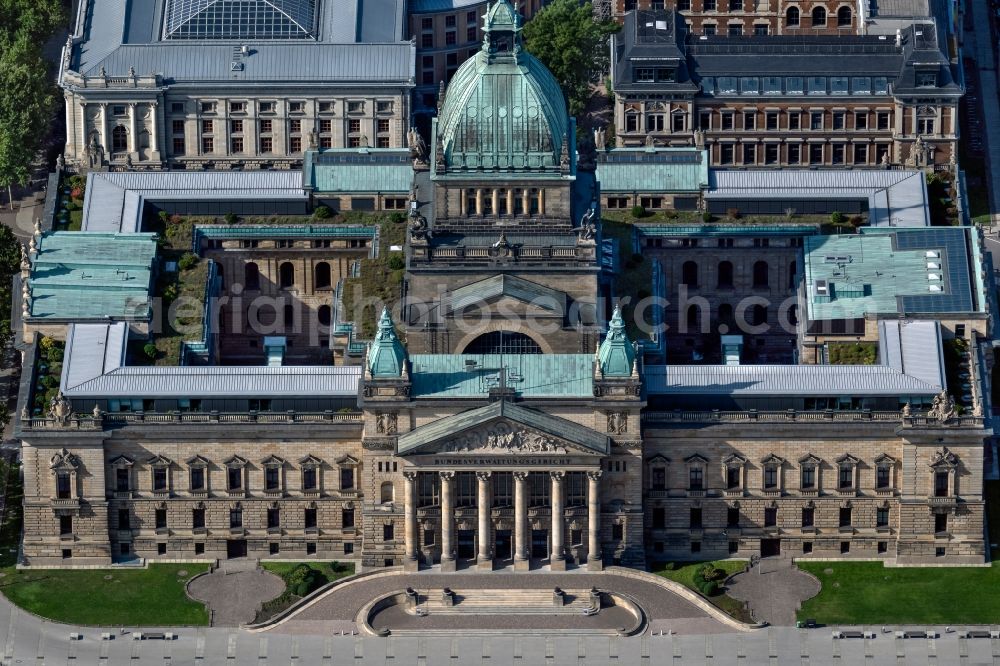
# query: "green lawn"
{"points": [[151, 597], [325, 569], [852, 353], [869, 593], [686, 572]]}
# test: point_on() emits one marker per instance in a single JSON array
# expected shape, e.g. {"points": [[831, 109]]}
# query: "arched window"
{"points": [[289, 316], [689, 274], [286, 275], [503, 342], [119, 139], [725, 274], [322, 280], [251, 276], [324, 315], [386, 492], [844, 17], [694, 313], [819, 17], [726, 315], [792, 17], [758, 315], [760, 274]]}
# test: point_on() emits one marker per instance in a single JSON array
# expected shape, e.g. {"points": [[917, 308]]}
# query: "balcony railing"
{"points": [[110, 419]]}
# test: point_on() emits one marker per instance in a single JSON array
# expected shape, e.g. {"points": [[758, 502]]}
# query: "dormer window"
{"points": [[645, 75], [926, 79]]}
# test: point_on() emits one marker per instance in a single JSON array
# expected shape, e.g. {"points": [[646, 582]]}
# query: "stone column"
{"points": [[510, 201], [154, 144], [81, 150], [133, 139], [447, 521], [485, 555], [479, 201], [541, 202], [521, 561], [105, 139], [594, 557], [525, 204], [410, 562], [462, 201], [496, 201], [70, 125], [557, 557]]}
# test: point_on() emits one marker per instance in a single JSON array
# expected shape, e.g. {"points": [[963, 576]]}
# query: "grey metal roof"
{"points": [[114, 200], [896, 198], [450, 426], [913, 348], [356, 40], [784, 380], [93, 368]]}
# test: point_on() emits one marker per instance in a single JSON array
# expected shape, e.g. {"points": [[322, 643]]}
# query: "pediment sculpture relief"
{"points": [[502, 438]]}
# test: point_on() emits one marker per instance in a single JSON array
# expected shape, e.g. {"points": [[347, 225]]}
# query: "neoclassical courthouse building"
{"points": [[543, 435]]}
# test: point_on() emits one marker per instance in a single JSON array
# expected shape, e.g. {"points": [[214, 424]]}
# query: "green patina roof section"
{"points": [[386, 170], [512, 286], [616, 354], [386, 355], [870, 282], [529, 375], [91, 275], [450, 426], [715, 230], [652, 170], [503, 108]]}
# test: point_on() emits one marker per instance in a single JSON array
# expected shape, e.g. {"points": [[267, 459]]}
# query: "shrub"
{"points": [[707, 572], [710, 588], [638, 211], [397, 218], [48, 381], [150, 350], [397, 262], [54, 355], [706, 217], [176, 219], [170, 292], [322, 212], [46, 344], [733, 213], [163, 216], [76, 193], [230, 218], [670, 214], [188, 261], [836, 217]]}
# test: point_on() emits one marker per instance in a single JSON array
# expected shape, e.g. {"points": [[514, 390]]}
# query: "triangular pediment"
{"points": [[517, 295], [504, 429]]}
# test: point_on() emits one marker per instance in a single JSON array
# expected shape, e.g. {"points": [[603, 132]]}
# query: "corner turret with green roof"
{"points": [[386, 354], [616, 355]]}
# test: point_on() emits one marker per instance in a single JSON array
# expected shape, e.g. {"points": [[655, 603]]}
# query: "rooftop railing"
{"points": [[111, 419]]}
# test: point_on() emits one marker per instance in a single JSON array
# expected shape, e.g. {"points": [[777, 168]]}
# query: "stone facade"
{"points": [[753, 17]]}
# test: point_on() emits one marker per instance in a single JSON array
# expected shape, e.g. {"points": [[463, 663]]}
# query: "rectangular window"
{"points": [[816, 120], [659, 518], [882, 120], [197, 519], [838, 153], [839, 120], [266, 144], [472, 34], [808, 516], [749, 153], [311, 548], [749, 120], [645, 74], [236, 126], [295, 144], [309, 478], [749, 85], [728, 120], [695, 478], [177, 107], [816, 153], [65, 525], [161, 519], [207, 145], [770, 477], [346, 478], [941, 484], [794, 85], [732, 517], [794, 120], [237, 144], [882, 517], [846, 478], [235, 518], [694, 518], [197, 477], [347, 518], [727, 152], [881, 85], [838, 85], [273, 518], [845, 516], [503, 489], [816, 85], [124, 519], [429, 537], [309, 518], [861, 120], [272, 477], [177, 145], [735, 30], [732, 476], [771, 120], [727, 85], [159, 479], [388, 533], [808, 478], [770, 516], [617, 532], [234, 477], [122, 479]]}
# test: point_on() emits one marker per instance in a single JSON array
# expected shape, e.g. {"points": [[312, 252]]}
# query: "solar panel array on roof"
{"points": [[240, 19]]}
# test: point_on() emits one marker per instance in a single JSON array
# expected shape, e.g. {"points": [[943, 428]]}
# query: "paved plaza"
{"points": [[233, 595], [774, 589]]}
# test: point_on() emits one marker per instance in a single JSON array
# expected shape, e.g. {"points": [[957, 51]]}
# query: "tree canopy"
{"points": [[27, 90], [574, 46]]}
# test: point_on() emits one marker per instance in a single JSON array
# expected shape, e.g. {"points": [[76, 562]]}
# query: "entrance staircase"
{"points": [[503, 602]]}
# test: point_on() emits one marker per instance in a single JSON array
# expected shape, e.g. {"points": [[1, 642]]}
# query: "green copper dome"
{"points": [[616, 355], [386, 356], [503, 108]]}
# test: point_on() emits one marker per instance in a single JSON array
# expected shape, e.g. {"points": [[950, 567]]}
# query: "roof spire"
{"points": [[616, 355], [386, 355]]}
